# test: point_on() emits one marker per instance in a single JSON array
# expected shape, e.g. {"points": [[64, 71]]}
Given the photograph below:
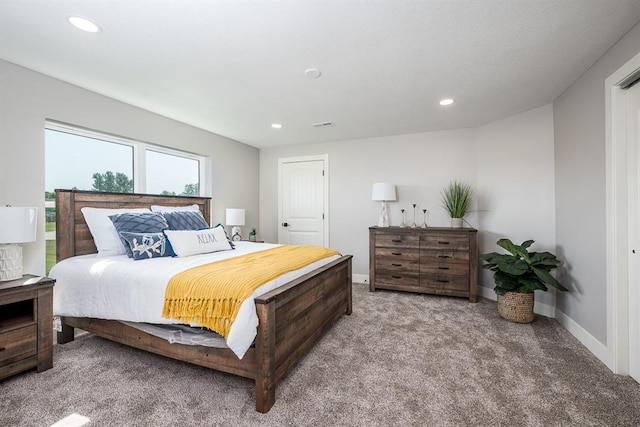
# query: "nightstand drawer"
{"points": [[18, 344]]}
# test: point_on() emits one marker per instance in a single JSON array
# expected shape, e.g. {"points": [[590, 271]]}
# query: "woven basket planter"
{"points": [[516, 307]]}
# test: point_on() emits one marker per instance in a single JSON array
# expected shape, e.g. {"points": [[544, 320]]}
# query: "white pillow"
{"points": [[193, 242], [158, 208], [105, 235]]}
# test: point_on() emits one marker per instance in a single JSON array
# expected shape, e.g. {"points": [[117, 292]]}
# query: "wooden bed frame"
{"points": [[291, 318]]}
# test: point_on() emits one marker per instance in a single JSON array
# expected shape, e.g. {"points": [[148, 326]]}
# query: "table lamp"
{"points": [[383, 192], [235, 218], [17, 225]]}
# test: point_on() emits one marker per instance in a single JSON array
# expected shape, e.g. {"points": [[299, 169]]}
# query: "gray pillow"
{"points": [[185, 220]]}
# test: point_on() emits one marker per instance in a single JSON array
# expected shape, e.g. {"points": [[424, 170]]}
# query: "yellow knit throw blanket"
{"points": [[211, 294]]}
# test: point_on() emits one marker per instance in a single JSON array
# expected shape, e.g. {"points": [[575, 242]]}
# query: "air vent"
{"points": [[323, 124]]}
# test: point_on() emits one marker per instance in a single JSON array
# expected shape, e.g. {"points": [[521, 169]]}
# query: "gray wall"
{"points": [[579, 117], [28, 98], [510, 162]]}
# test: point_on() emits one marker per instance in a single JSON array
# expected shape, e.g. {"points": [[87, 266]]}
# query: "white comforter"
{"points": [[119, 288]]}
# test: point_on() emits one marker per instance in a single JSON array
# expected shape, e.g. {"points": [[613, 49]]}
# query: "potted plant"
{"points": [[457, 199], [517, 276], [252, 235]]}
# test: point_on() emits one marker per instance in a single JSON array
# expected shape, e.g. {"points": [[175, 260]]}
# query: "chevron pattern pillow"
{"points": [[151, 222]]}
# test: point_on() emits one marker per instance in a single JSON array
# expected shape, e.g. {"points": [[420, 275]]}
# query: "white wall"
{"points": [[510, 162], [579, 117], [28, 98], [516, 184]]}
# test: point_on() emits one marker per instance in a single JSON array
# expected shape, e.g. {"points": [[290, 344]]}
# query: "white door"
{"points": [[303, 202], [633, 138]]}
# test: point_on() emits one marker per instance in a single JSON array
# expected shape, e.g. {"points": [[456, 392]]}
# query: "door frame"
{"points": [[325, 191], [617, 218]]}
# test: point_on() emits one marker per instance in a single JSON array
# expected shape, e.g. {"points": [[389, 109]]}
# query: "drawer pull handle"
{"points": [[3, 348], [397, 277], [396, 241], [396, 253], [397, 265], [443, 268], [444, 256], [442, 280], [443, 243]]}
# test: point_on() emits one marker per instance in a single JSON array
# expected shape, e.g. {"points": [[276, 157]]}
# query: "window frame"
{"points": [[139, 157]]}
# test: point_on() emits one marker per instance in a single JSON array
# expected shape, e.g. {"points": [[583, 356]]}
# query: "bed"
{"points": [[291, 317]]}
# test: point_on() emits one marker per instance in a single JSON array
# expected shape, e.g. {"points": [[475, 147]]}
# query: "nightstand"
{"points": [[26, 325]]}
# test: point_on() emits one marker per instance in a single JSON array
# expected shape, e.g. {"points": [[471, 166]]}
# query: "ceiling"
{"points": [[234, 67]]}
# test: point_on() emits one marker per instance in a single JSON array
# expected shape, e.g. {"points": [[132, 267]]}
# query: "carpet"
{"points": [[400, 359]]}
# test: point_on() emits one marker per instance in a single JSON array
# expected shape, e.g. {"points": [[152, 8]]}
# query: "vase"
{"points": [[413, 224], [516, 306], [456, 222], [424, 222], [403, 223]]}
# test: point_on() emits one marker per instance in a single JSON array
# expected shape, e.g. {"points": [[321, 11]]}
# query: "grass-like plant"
{"points": [[457, 199]]}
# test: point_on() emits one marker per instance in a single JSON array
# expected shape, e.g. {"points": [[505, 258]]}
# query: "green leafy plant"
{"points": [[457, 199], [520, 270]]}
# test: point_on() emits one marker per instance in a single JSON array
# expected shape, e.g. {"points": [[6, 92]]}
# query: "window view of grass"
{"points": [[50, 233]]}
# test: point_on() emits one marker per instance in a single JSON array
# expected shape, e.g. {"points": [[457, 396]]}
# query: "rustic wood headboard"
{"points": [[72, 233]]}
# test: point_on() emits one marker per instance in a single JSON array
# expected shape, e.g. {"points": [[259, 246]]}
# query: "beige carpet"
{"points": [[399, 360]]}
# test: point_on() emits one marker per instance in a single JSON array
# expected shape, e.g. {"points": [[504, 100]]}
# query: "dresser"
{"points": [[26, 325], [433, 260]]}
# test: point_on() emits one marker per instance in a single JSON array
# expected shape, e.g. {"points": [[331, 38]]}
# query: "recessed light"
{"points": [[276, 125], [446, 101], [84, 24]]}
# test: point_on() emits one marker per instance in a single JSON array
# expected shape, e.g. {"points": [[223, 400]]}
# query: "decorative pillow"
{"points": [[149, 222], [226, 234], [193, 242], [105, 235], [185, 220], [146, 245], [158, 208]]}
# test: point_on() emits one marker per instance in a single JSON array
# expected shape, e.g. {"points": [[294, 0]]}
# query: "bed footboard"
{"points": [[293, 318]]}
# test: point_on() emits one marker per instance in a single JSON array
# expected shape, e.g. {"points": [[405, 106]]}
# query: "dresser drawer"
{"points": [[447, 242], [397, 259], [444, 256], [397, 278], [446, 283], [397, 240], [449, 269], [18, 344]]}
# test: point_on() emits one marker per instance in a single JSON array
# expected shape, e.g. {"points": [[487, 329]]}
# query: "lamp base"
{"points": [[383, 221], [235, 234], [10, 262]]}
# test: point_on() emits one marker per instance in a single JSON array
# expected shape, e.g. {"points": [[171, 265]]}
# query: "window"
{"points": [[80, 159]]}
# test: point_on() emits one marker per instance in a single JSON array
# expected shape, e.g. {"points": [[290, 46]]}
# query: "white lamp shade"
{"points": [[18, 225], [383, 191], [235, 216]]}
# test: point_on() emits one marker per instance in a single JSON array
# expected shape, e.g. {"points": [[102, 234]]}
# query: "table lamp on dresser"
{"points": [[383, 192], [17, 225]]}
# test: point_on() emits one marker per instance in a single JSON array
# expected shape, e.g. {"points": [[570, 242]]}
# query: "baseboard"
{"points": [[586, 339], [538, 308], [360, 278]]}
